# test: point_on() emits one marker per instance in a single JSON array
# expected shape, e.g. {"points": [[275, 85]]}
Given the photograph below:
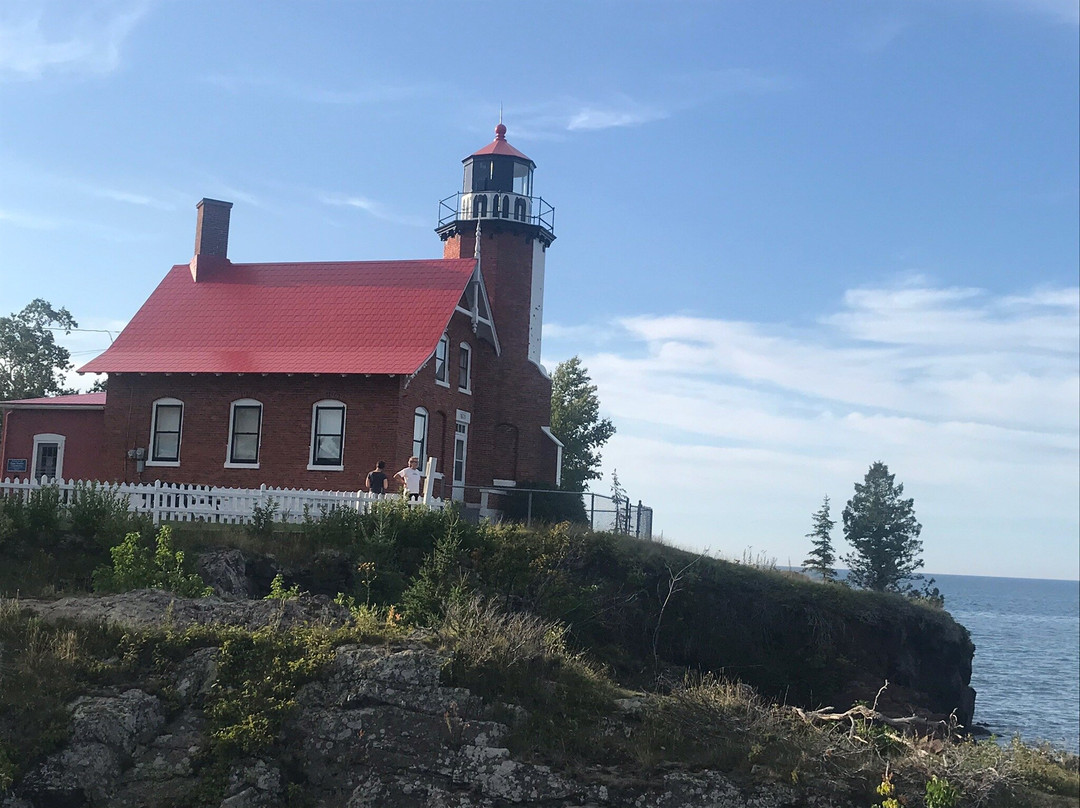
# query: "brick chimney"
{"points": [[211, 238]]}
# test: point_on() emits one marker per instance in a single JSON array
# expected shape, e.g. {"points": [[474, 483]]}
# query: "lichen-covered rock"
{"points": [[152, 608], [195, 675], [105, 733], [225, 571], [378, 729]]}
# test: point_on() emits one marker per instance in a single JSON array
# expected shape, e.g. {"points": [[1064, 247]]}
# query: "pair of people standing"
{"points": [[411, 478]]}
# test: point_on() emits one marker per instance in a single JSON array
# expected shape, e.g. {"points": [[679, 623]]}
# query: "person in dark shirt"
{"points": [[376, 479]]}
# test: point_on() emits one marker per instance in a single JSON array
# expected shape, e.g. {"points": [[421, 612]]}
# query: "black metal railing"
{"points": [[542, 213]]}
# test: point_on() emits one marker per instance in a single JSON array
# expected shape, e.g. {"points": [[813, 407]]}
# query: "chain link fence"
{"points": [[539, 505]]}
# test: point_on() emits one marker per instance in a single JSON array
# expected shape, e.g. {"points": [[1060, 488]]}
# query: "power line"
{"points": [[88, 330]]}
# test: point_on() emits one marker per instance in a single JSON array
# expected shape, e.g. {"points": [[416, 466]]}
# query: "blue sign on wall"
{"points": [[16, 465]]}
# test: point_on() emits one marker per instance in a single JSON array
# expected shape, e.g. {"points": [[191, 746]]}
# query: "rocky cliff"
{"points": [[377, 728]]}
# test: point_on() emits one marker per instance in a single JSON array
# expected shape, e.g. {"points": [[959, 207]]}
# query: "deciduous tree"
{"points": [[31, 363], [576, 421], [821, 557], [880, 526]]}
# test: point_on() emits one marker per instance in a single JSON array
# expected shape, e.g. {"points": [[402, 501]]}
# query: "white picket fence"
{"points": [[175, 502]]}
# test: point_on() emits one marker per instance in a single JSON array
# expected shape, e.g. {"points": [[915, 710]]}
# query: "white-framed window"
{"points": [[441, 372], [464, 368], [327, 436], [461, 451], [419, 434], [48, 458], [166, 428], [245, 434]]}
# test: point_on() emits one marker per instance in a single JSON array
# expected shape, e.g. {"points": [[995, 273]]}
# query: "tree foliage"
{"points": [[576, 421], [880, 526], [31, 363], [821, 557]]}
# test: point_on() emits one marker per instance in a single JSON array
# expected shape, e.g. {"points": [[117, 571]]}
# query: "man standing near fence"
{"points": [[376, 479], [411, 478]]}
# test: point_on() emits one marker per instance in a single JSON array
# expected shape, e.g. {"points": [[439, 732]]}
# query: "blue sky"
{"points": [[793, 238]]}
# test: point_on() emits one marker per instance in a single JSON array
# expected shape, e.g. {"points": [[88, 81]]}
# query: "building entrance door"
{"points": [[45, 460]]}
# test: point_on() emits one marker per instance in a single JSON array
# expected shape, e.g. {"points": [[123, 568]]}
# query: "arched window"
{"points": [[245, 434], [495, 205], [505, 207], [419, 435], [166, 428], [464, 368], [519, 209], [327, 436], [479, 206]]}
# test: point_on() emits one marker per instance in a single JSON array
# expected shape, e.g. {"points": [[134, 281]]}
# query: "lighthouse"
{"points": [[515, 227]]}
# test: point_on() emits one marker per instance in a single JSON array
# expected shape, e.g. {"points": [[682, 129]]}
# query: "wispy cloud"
{"points": [[1066, 11], [38, 38], [971, 396], [372, 208], [119, 195], [663, 96], [608, 118], [27, 221]]}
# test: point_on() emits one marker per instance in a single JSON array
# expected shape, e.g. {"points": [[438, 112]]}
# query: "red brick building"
{"points": [[304, 375]]}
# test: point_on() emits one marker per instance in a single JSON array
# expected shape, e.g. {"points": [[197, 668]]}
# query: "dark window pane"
{"points": [[245, 449]]}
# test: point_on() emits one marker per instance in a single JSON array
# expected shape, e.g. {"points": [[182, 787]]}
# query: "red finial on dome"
{"points": [[500, 131]]}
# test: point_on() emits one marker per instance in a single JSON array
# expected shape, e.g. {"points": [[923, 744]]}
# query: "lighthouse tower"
{"points": [[497, 218], [515, 229]]}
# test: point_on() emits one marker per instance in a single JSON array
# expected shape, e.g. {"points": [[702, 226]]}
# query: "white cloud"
{"points": [[37, 38], [608, 118], [373, 208], [1067, 11], [663, 96], [27, 221], [734, 430]]}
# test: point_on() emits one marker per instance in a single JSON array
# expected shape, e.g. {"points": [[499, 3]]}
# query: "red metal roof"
{"points": [[76, 400], [347, 317], [500, 146]]}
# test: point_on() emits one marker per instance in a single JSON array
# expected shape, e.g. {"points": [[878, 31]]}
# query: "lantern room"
{"points": [[498, 184]]}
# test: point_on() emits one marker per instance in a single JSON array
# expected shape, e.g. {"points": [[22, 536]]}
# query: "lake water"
{"points": [[1027, 654]]}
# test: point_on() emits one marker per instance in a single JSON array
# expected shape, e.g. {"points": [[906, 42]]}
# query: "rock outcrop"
{"points": [[149, 608], [377, 730]]}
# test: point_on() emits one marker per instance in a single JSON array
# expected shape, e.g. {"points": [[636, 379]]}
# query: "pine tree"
{"points": [[576, 421], [881, 528], [821, 558]]}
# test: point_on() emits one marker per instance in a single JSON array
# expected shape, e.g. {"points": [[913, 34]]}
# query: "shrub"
{"points": [[134, 566], [43, 513], [96, 512], [263, 516], [336, 526], [258, 675], [278, 591], [440, 581], [940, 793]]}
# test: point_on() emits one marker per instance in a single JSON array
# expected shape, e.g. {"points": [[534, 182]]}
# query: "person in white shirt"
{"points": [[411, 478]]}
